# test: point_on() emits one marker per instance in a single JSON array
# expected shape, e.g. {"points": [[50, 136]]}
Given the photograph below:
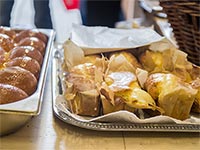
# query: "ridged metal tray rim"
{"points": [[99, 126]]}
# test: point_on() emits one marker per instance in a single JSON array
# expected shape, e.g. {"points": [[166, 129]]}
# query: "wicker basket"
{"points": [[184, 17]]}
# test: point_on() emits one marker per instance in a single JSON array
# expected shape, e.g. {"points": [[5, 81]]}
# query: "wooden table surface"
{"points": [[46, 132]]}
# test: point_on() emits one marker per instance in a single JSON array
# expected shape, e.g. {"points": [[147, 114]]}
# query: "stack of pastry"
{"points": [[21, 56], [120, 89], [160, 83], [93, 89], [82, 93]]}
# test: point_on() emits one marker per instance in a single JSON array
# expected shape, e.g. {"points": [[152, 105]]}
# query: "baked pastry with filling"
{"points": [[123, 87], [81, 92], [172, 94]]}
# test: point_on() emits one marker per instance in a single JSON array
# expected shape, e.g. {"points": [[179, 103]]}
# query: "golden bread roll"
{"points": [[29, 51], [5, 42], [30, 33], [172, 94], [20, 78], [8, 31], [9, 94], [27, 63], [34, 42], [20, 62]]}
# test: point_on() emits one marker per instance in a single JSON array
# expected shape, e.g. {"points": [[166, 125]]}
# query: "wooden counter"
{"points": [[46, 132]]}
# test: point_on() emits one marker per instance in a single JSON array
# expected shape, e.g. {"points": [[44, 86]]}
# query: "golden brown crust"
{"points": [[30, 33], [29, 51], [5, 42], [8, 31], [27, 63], [34, 42], [20, 78], [9, 94], [2, 58]]}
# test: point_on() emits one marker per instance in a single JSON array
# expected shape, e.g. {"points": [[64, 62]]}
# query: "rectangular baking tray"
{"points": [[15, 115], [101, 126]]}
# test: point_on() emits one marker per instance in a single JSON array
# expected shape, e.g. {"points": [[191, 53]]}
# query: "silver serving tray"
{"points": [[14, 115], [57, 90]]}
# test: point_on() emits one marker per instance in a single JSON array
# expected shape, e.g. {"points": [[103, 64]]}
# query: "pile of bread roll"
{"points": [[157, 83], [21, 57]]}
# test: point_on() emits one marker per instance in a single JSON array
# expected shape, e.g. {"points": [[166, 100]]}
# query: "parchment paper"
{"points": [[102, 39], [122, 116]]}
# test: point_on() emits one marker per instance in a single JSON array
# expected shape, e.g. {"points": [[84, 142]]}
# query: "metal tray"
{"points": [[14, 115], [155, 127]]}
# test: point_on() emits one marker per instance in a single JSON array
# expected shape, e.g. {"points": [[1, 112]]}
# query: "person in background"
{"points": [[42, 13], [128, 8]]}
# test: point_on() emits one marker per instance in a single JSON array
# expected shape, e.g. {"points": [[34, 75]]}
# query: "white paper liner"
{"points": [[121, 116], [93, 39]]}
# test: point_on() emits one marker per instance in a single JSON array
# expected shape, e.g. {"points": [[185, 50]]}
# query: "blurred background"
{"points": [[63, 13]]}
